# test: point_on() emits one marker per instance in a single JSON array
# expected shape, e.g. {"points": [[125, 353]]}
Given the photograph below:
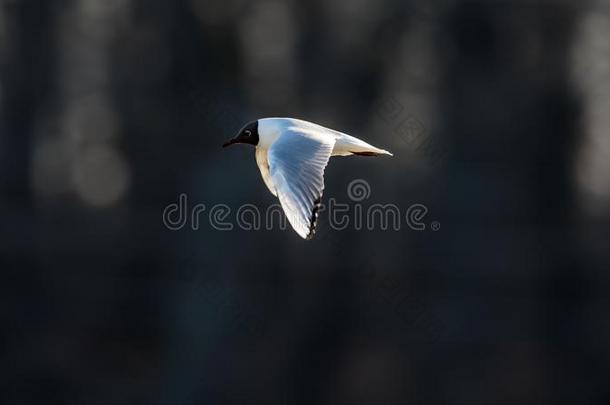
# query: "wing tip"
{"points": [[313, 220]]}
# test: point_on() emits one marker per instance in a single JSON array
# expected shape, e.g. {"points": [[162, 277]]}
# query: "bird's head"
{"points": [[248, 134]]}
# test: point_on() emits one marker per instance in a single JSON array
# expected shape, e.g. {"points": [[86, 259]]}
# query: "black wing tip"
{"points": [[313, 220]]}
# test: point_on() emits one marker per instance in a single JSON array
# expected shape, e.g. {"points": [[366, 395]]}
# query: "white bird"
{"points": [[292, 155]]}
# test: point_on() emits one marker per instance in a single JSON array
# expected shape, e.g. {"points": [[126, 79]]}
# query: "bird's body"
{"points": [[292, 155], [269, 129]]}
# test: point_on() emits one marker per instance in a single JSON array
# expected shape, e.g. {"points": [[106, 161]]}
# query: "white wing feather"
{"points": [[297, 160]]}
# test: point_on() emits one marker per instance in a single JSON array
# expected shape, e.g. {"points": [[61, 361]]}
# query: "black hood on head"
{"points": [[248, 134]]}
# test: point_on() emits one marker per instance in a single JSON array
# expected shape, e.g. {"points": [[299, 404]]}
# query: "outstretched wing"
{"points": [[296, 164]]}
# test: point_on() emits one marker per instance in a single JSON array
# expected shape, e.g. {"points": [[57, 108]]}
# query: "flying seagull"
{"points": [[292, 155]]}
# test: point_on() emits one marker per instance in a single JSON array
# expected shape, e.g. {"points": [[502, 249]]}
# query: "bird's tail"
{"points": [[348, 145], [372, 153]]}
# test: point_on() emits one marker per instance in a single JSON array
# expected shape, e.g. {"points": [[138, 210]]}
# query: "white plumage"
{"points": [[292, 155]]}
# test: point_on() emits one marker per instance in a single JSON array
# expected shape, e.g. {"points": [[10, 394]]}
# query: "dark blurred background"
{"points": [[497, 113]]}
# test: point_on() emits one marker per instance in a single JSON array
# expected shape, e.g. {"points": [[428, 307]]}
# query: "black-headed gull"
{"points": [[292, 155]]}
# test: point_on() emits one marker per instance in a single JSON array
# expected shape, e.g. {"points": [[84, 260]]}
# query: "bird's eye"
{"points": [[247, 132]]}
